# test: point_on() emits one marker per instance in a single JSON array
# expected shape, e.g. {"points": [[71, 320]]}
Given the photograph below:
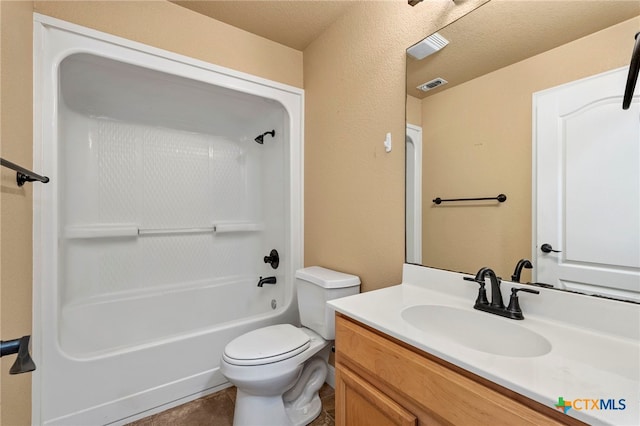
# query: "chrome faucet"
{"points": [[496, 306]]}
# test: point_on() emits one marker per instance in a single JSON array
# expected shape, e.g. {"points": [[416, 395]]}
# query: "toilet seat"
{"points": [[266, 345]]}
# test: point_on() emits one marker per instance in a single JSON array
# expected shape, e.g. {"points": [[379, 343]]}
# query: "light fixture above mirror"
{"points": [[428, 46]]}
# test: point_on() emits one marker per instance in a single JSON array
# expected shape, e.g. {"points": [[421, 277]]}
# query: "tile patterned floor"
{"points": [[217, 410]]}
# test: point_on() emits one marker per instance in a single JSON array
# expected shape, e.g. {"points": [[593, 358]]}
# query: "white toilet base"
{"points": [[254, 410], [304, 416], [298, 406], [262, 411], [302, 402]]}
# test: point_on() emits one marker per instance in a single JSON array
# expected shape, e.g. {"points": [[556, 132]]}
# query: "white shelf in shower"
{"points": [[169, 231], [101, 231], [133, 230], [238, 227]]}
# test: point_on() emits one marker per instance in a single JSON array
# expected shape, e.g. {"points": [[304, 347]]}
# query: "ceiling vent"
{"points": [[430, 85], [426, 47]]}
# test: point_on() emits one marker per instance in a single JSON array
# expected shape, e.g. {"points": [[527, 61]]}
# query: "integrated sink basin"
{"points": [[477, 330]]}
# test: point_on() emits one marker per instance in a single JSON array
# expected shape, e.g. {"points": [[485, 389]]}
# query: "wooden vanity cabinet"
{"points": [[381, 381]]}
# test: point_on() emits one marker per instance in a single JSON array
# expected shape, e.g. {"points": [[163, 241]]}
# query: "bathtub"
{"points": [[149, 240]]}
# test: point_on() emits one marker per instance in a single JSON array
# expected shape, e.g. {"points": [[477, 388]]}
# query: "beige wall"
{"points": [[477, 142], [157, 23], [354, 76], [15, 203], [354, 83]]}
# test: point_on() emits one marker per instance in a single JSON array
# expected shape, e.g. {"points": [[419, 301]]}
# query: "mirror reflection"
{"points": [[526, 95]]}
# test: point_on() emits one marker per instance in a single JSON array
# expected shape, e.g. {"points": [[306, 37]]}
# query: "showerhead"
{"points": [[260, 139]]}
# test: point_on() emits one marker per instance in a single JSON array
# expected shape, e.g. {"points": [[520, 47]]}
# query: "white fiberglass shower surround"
{"points": [[150, 238]]}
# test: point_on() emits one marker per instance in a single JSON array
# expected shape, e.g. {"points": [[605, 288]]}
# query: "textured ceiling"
{"points": [[497, 34], [503, 32], [292, 23]]}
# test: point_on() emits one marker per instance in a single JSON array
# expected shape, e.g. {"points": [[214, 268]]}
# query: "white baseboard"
{"points": [[331, 376]]}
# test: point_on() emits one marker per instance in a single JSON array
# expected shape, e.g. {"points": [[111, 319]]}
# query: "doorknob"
{"points": [[546, 248]]}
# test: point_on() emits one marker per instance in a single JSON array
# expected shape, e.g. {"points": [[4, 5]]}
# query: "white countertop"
{"points": [[595, 342]]}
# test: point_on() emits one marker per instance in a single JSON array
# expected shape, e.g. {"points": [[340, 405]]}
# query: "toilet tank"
{"points": [[315, 286]]}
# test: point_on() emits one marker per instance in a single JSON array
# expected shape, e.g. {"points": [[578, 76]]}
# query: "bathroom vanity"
{"points": [[418, 353], [381, 381]]}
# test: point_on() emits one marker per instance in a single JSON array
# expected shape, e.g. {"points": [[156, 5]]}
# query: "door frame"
{"points": [[413, 252]]}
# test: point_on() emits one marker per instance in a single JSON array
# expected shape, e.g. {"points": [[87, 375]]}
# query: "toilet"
{"points": [[279, 369]]}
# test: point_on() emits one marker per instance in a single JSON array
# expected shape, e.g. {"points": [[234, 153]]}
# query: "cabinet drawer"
{"points": [[442, 392]]}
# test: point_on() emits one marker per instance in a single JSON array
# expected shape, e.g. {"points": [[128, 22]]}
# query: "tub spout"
{"points": [[267, 280]]}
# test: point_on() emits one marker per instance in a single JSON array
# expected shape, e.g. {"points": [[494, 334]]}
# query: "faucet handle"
{"points": [[514, 290], [482, 292], [514, 309], [273, 258]]}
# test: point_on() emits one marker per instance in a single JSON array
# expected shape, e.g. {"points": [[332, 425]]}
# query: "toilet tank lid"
{"points": [[327, 278]]}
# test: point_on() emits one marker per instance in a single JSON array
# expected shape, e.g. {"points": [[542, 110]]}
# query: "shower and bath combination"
{"points": [[123, 133], [260, 138]]}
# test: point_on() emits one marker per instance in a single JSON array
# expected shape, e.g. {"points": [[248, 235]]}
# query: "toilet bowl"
{"points": [[279, 369], [263, 380]]}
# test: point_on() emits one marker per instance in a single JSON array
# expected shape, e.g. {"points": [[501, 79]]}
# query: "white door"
{"points": [[587, 187], [413, 208]]}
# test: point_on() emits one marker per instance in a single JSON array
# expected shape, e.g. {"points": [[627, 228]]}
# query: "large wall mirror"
{"points": [[476, 132]]}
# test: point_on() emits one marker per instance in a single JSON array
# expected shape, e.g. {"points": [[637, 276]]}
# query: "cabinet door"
{"points": [[360, 404]]}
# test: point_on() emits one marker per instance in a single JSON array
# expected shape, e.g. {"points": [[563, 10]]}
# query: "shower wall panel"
{"points": [[145, 210]]}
